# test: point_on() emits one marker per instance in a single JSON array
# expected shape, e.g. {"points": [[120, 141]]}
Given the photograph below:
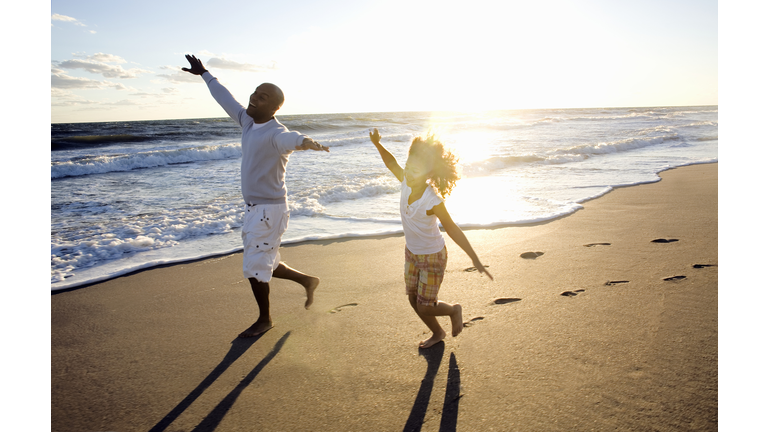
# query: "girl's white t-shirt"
{"points": [[422, 233]]}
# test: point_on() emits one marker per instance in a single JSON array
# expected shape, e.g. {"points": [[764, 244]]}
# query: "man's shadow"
{"points": [[434, 357], [239, 347]]}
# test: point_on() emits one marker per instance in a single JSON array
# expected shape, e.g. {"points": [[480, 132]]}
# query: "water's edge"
{"points": [[61, 288]]}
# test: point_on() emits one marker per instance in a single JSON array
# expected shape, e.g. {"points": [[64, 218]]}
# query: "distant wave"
{"points": [[96, 140], [127, 162], [614, 146], [91, 140], [361, 138], [631, 115], [571, 154], [543, 122]]}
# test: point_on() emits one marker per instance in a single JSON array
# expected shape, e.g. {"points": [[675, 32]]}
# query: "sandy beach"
{"points": [[606, 330]]}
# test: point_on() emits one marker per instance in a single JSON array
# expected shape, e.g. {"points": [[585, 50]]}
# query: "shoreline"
{"points": [[607, 330], [66, 287]]}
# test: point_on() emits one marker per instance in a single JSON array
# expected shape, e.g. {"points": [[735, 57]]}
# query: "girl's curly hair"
{"points": [[444, 163]]}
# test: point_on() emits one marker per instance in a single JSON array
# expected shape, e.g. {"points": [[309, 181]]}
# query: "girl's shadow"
{"points": [[434, 356]]}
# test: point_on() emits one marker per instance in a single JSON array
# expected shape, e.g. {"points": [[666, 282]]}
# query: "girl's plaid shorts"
{"points": [[424, 274]]}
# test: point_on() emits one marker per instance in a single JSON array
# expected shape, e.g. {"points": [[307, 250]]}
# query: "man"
{"points": [[266, 145]]}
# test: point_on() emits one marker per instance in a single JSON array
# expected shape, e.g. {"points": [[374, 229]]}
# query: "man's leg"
{"points": [[309, 283], [264, 323]]}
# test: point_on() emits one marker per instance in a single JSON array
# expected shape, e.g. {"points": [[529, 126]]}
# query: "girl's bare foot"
{"points": [[436, 337], [256, 329], [456, 320], [310, 286]]}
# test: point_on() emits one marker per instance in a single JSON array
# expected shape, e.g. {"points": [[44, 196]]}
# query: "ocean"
{"points": [[127, 196]]}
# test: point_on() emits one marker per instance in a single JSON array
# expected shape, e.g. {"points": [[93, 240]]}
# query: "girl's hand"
{"points": [[375, 137], [481, 269]]}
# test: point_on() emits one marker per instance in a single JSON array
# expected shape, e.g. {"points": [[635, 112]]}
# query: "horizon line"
{"points": [[407, 112]]}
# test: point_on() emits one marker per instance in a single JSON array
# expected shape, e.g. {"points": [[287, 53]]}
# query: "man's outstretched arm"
{"points": [[310, 144]]}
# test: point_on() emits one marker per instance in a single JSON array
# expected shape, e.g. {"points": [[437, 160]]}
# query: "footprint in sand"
{"points": [[505, 300], [697, 266], [597, 244], [473, 320], [473, 269], [674, 278], [612, 283], [571, 293], [662, 240], [339, 308], [531, 255]]}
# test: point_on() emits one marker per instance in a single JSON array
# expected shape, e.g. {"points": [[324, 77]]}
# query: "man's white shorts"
{"points": [[263, 227]]}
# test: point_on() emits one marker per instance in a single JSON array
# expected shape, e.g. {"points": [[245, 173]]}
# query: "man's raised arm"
{"points": [[231, 106]]}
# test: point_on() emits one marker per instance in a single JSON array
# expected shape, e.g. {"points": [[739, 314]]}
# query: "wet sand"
{"points": [[605, 330]]}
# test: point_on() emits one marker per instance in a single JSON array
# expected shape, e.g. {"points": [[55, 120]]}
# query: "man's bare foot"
{"points": [[310, 287], [456, 320], [433, 340], [256, 329]]}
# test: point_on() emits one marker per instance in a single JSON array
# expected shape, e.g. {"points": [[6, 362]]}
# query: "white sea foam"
{"points": [[89, 247], [314, 201]]}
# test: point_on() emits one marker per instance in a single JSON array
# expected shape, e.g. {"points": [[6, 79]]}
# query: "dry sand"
{"points": [[156, 350]]}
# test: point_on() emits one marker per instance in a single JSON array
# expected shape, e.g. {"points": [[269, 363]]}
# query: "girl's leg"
{"points": [[428, 315], [443, 309], [438, 333]]}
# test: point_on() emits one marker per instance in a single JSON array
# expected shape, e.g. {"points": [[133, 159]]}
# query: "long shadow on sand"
{"points": [[434, 357], [239, 347], [212, 420]]}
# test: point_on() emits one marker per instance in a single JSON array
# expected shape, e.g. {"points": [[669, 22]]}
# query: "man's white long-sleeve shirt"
{"points": [[265, 147]]}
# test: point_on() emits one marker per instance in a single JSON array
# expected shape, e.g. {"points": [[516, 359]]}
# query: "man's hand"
{"points": [[375, 137], [310, 144], [196, 66]]}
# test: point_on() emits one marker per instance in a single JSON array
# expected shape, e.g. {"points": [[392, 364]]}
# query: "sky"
{"points": [[113, 61], [358, 56]]}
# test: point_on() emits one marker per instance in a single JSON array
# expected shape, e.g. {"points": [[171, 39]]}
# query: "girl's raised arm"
{"points": [[386, 156]]}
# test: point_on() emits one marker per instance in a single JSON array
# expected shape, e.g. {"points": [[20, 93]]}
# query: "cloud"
{"points": [[179, 76], [64, 18], [167, 91], [124, 102], [222, 63], [102, 68], [101, 57], [65, 98], [62, 81]]}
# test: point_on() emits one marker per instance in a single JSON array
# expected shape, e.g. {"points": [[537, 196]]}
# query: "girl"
{"points": [[430, 169]]}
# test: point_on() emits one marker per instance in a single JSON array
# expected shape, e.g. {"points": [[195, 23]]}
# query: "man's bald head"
{"points": [[264, 102], [278, 95]]}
